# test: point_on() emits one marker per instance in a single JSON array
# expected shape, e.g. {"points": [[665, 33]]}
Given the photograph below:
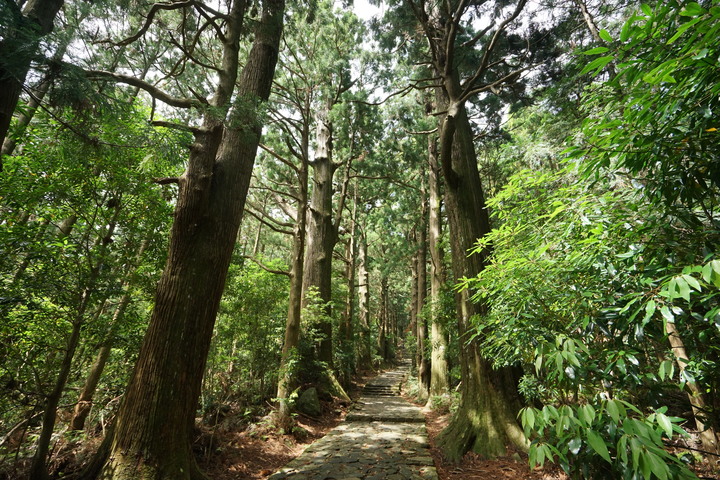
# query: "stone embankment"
{"points": [[382, 438]]}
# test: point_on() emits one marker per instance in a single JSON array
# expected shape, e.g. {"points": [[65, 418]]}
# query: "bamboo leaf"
{"points": [[598, 444]]}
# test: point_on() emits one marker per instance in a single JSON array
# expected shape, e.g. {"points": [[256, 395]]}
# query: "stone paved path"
{"points": [[383, 438]]}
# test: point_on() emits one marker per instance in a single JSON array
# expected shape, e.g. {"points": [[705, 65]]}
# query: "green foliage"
{"points": [[245, 353], [657, 117], [605, 438], [581, 281]]}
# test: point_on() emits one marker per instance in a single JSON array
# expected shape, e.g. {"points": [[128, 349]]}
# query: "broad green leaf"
{"points": [[588, 413], [597, 64], [683, 288], [646, 9], [605, 35], [707, 272], [664, 423], [596, 50], [716, 266], [682, 29], [622, 449], [665, 311], [528, 418], [598, 444], [612, 409], [657, 466], [666, 370], [650, 308], [692, 9], [692, 281]]}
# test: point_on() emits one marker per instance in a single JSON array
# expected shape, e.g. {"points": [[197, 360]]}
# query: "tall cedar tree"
{"points": [[151, 433], [485, 421]]}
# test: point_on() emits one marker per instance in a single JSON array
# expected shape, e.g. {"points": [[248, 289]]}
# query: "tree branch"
{"points": [[152, 90], [482, 68], [151, 16], [265, 267]]}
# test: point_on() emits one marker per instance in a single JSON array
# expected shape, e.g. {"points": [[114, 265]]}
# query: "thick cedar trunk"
{"points": [[321, 235], [422, 330], [347, 339], [383, 344], [152, 430], [35, 21], [364, 347], [438, 336], [414, 302], [486, 418]]}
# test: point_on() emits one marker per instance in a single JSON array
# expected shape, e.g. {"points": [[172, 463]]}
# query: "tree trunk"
{"points": [[422, 330], [364, 347], [414, 302], [321, 236], [384, 321], [438, 336], [152, 430], [347, 339], [708, 435], [292, 325], [30, 25], [486, 418]]}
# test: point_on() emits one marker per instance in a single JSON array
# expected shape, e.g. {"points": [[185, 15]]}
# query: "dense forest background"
{"points": [[207, 208]]}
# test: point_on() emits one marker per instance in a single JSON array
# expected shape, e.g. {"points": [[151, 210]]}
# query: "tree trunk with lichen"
{"points": [[423, 367]]}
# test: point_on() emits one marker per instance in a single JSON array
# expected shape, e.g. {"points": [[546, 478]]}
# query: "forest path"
{"points": [[383, 438]]}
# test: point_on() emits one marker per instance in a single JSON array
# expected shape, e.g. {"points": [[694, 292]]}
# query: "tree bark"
{"points": [[486, 418], [438, 336], [30, 25], [152, 430], [364, 342], [347, 339], [422, 329], [708, 435], [412, 238], [384, 350], [321, 236]]}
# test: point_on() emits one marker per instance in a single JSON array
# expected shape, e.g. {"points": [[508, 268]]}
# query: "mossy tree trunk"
{"points": [[423, 363], [364, 347]]}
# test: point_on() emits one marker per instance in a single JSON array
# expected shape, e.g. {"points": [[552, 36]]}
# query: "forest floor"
{"points": [[229, 451], [260, 450]]}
